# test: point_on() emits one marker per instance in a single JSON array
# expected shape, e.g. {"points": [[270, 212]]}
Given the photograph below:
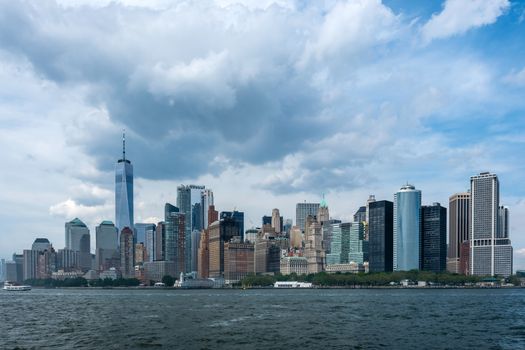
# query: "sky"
{"points": [[268, 103]]}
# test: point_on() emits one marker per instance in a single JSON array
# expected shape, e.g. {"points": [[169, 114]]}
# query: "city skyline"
{"points": [[448, 118]]}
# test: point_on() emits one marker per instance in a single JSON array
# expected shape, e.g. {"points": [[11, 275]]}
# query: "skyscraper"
{"points": [[340, 244], [313, 248], [433, 238], [407, 226], [124, 191], [219, 232], [175, 237], [78, 239], [360, 214], [458, 229], [323, 214], [206, 201], [106, 245], [381, 236], [277, 222], [302, 210], [490, 252], [238, 217], [358, 252], [187, 197], [127, 253]]}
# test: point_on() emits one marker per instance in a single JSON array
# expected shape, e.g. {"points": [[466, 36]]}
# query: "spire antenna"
{"points": [[124, 144]]}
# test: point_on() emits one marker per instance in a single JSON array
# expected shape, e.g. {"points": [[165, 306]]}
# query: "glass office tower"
{"points": [[407, 226], [123, 191]]}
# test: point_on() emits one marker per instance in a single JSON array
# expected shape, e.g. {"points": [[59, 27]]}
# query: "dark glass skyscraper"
{"points": [[187, 197], [123, 191], [238, 217], [433, 238], [175, 237], [381, 236]]}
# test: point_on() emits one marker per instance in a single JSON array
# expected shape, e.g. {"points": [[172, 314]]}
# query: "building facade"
{"points": [[175, 224], [106, 245], [78, 239], [458, 228], [127, 253], [407, 227], [490, 252], [238, 260], [294, 264], [381, 236], [433, 238], [302, 210]]}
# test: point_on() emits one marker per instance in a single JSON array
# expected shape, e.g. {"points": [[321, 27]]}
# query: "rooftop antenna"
{"points": [[124, 144]]}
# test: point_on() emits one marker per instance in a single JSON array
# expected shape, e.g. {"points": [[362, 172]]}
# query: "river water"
{"points": [[263, 319]]}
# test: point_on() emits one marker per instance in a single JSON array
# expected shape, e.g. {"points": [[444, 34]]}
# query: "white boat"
{"points": [[292, 284], [159, 285], [8, 286]]}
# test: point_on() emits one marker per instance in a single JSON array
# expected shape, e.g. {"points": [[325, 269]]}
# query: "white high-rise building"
{"points": [[490, 250]]}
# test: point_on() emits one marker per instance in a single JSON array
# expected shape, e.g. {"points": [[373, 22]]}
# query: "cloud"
{"points": [[459, 16], [515, 78]]}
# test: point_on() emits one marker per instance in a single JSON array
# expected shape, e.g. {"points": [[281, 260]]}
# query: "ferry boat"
{"points": [[8, 286], [159, 285], [190, 281], [292, 284]]}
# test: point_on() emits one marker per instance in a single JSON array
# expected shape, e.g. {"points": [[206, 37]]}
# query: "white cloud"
{"points": [[459, 16], [515, 77]]}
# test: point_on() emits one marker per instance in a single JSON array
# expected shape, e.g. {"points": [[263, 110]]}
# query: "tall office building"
{"points": [[187, 197], [327, 227], [503, 222], [160, 242], [220, 232], [106, 245], [381, 236], [195, 243], [296, 238], [458, 229], [238, 260], [302, 210], [127, 253], [313, 248], [267, 255], [490, 252], [176, 237], [238, 217], [78, 239], [340, 244], [124, 191], [433, 238], [213, 215], [407, 227], [358, 252], [206, 202], [203, 265], [277, 221]]}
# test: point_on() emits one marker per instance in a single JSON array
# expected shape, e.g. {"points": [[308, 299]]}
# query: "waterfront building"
{"points": [[238, 260], [106, 245], [206, 202], [203, 265], [187, 197], [302, 210], [18, 259], [314, 250], [407, 227], [2, 270], [69, 260], [160, 241], [351, 267], [150, 241], [433, 238], [40, 260], [490, 252], [175, 237], [156, 270], [340, 244], [127, 263], [464, 258], [30, 263], [111, 273], [293, 264], [503, 222], [11, 273], [220, 232], [123, 191], [238, 218], [296, 238], [277, 221], [358, 248], [195, 243], [62, 275], [267, 255], [381, 236], [458, 228], [78, 239]]}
